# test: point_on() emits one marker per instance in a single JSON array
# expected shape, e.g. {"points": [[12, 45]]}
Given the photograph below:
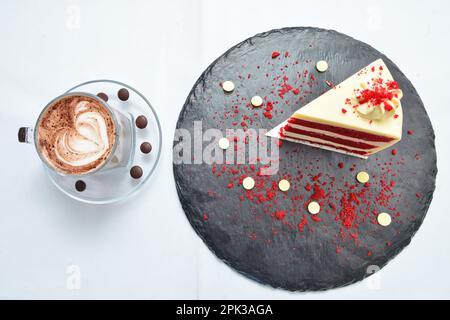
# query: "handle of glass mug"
{"points": [[25, 134]]}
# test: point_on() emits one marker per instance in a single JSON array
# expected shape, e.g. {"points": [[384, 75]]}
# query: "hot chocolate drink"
{"points": [[76, 134]]}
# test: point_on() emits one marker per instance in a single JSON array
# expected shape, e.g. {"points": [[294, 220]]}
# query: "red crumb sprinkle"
{"points": [[379, 93], [344, 110], [296, 91], [205, 217], [280, 215], [286, 54], [341, 165], [268, 110], [347, 214], [394, 152], [302, 223], [410, 132], [275, 54], [319, 193]]}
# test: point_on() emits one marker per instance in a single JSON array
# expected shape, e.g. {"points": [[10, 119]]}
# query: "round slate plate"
{"points": [[341, 245]]}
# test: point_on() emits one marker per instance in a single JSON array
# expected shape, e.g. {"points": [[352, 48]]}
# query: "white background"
{"points": [[145, 248]]}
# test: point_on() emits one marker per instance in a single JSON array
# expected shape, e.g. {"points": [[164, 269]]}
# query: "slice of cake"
{"points": [[360, 116]]}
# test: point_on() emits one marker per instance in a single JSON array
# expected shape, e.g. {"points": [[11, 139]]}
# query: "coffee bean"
{"points": [[102, 96], [80, 185], [136, 172], [141, 122], [123, 94], [146, 147]]}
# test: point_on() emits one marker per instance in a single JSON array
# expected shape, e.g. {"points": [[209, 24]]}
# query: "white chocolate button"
{"points": [[322, 66], [384, 219], [228, 86], [224, 143], [313, 207], [363, 177], [257, 101], [248, 183], [284, 185]]}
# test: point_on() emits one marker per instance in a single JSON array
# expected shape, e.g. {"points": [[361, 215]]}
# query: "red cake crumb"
{"points": [[394, 152], [275, 54], [280, 215], [347, 215], [302, 223], [379, 92], [318, 194], [268, 110]]}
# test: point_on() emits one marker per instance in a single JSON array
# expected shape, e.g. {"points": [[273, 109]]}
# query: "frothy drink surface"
{"points": [[76, 134]]}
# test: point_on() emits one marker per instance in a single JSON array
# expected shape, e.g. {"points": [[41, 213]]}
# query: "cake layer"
{"points": [[323, 145], [342, 131], [327, 137], [320, 141], [335, 135]]}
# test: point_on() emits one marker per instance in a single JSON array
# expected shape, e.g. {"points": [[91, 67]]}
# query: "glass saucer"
{"points": [[116, 185]]}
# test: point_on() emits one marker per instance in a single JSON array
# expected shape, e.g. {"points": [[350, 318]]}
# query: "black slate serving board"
{"points": [[242, 231]]}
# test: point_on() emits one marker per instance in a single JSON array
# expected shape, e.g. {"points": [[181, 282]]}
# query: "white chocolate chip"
{"points": [[228, 86], [313, 207], [224, 143], [384, 219], [363, 177], [322, 66], [248, 183], [284, 185], [257, 101]]}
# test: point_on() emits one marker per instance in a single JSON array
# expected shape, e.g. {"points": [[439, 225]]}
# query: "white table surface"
{"points": [[145, 248]]}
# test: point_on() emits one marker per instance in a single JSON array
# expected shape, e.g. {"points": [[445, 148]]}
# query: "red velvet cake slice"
{"points": [[360, 116]]}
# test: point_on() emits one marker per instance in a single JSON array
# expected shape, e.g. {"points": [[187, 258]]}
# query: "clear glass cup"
{"points": [[112, 181], [124, 145]]}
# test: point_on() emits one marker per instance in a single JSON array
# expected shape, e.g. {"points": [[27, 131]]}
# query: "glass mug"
{"points": [[121, 154]]}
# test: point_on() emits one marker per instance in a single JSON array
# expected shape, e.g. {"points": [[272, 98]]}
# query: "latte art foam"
{"points": [[76, 134]]}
